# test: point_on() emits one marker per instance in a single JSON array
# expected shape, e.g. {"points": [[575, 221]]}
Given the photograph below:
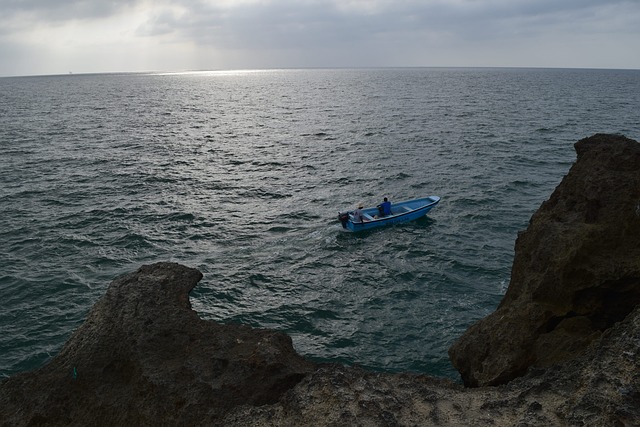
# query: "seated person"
{"points": [[385, 207], [357, 214]]}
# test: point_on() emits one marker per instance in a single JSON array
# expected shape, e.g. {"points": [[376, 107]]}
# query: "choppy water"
{"points": [[241, 174]]}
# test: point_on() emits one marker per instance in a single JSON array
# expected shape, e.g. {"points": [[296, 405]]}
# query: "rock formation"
{"points": [[143, 357], [567, 335], [576, 270], [600, 388]]}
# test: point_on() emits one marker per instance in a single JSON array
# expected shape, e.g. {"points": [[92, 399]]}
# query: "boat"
{"points": [[407, 210]]}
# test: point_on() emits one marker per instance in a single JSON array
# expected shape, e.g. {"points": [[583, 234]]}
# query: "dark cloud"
{"points": [[63, 10], [291, 24]]}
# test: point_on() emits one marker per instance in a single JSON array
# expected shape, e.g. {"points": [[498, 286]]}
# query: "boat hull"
{"points": [[405, 211]]}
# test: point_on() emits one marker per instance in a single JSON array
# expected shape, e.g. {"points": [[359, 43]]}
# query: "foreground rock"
{"points": [[601, 388], [143, 357], [576, 270]]}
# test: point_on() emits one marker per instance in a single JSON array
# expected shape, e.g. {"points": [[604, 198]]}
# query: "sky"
{"points": [[90, 36]]}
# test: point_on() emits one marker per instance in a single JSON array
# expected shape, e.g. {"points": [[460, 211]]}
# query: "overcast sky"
{"points": [[80, 36]]}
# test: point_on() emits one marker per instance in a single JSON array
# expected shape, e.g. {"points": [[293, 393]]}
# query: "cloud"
{"points": [[312, 23], [64, 10], [288, 33]]}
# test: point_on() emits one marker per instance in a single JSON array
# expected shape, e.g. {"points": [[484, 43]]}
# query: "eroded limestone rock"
{"points": [[143, 357], [576, 270]]}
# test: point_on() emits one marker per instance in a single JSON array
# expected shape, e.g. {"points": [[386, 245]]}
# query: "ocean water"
{"points": [[241, 175]]}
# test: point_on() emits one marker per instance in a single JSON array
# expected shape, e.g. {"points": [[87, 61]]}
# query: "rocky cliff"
{"points": [[143, 357], [563, 347], [576, 270]]}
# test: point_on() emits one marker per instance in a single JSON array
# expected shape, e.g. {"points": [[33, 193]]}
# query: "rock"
{"points": [[599, 388], [576, 270], [143, 357]]}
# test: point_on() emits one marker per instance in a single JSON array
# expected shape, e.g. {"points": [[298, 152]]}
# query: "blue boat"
{"points": [[408, 210]]}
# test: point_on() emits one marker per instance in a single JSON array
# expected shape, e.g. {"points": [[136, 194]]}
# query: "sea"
{"points": [[241, 174]]}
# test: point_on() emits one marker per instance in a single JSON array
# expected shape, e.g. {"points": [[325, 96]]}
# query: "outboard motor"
{"points": [[343, 217]]}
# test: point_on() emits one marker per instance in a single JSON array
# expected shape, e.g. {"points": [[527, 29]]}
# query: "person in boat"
{"points": [[357, 214], [385, 207]]}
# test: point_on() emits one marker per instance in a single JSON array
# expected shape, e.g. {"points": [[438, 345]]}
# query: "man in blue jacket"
{"points": [[385, 207]]}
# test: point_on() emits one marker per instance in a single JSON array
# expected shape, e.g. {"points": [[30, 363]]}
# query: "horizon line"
{"points": [[257, 70]]}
